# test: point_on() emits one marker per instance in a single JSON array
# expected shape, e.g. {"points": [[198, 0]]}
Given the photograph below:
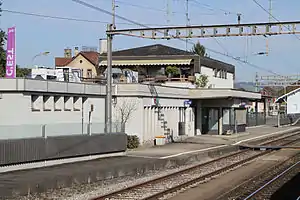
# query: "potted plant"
{"points": [[172, 71]]}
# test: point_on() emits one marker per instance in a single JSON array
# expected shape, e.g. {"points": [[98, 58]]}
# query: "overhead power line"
{"points": [[145, 26], [54, 17], [226, 12], [67, 18], [270, 14]]}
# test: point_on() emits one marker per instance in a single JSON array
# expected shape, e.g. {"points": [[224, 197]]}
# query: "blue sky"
{"points": [[35, 35]]}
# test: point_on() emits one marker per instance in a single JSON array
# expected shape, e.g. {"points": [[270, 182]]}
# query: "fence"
{"points": [[255, 119], [27, 143]]}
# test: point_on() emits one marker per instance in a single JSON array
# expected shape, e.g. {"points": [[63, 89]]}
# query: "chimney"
{"points": [[76, 51], [68, 53], [102, 46]]}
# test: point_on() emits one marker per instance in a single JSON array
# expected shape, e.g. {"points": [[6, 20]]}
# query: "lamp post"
{"points": [[40, 54]]}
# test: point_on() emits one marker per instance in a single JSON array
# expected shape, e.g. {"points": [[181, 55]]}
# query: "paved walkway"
{"points": [[204, 143]]}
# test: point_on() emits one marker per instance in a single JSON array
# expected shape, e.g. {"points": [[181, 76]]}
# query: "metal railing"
{"points": [[51, 130]]}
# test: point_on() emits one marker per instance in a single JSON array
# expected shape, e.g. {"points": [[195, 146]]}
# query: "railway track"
{"points": [[167, 186], [264, 185]]}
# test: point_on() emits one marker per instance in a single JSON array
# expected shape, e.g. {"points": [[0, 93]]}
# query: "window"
{"points": [[36, 102], [58, 103], [89, 73], [182, 114], [47, 103], [76, 104], [67, 104], [215, 73]]}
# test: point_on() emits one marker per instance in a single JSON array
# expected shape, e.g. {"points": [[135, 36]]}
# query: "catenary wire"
{"points": [[143, 25], [68, 18], [256, 2], [156, 9]]}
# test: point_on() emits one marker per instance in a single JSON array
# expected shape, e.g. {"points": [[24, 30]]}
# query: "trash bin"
{"points": [[160, 140]]}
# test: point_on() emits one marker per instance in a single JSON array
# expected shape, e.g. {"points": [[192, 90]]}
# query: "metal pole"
{"points": [[108, 121], [278, 116], [256, 82], [114, 14]]}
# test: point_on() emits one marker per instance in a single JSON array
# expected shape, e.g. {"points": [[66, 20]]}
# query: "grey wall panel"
{"points": [[66, 146], [37, 149], [21, 150]]}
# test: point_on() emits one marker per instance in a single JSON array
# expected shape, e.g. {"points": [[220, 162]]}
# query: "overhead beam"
{"points": [[223, 30], [273, 80]]}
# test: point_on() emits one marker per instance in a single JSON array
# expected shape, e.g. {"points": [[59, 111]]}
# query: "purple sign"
{"points": [[11, 53]]}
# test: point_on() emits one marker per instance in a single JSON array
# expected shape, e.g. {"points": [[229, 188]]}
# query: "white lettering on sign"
{"points": [[10, 62]]}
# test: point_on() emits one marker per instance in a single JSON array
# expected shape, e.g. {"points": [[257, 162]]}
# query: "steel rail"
{"points": [[199, 179], [271, 181], [254, 182], [202, 178]]}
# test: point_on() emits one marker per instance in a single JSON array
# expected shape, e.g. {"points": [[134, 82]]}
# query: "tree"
{"points": [[2, 50], [199, 49], [22, 72], [123, 112], [202, 81], [172, 70]]}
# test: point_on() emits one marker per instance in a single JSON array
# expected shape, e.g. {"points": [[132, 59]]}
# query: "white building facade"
{"points": [[35, 108], [292, 100]]}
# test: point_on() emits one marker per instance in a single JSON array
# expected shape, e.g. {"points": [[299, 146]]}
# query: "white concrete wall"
{"points": [[133, 106], [216, 82], [293, 103], [144, 121], [19, 120], [179, 84]]}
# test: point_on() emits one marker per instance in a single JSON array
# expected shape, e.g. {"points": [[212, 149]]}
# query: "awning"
{"points": [[148, 62]]}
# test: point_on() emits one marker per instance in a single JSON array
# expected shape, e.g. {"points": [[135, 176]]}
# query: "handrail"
{"points": [[167, 79]]}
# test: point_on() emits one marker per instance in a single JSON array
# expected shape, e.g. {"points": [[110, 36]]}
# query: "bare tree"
{"points": [[123, 113]]}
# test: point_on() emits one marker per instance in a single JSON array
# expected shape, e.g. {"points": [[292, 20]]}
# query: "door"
{"points": [[213, 121], [204, 120]]}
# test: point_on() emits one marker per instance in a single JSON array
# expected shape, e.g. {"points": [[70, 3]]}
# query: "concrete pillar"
{"points": [[198, 118], [256, 113], [220, 121], [266, 108], [278, 116]]}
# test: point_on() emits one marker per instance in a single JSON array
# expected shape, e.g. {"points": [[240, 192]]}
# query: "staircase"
{"points": [[160, 116]]}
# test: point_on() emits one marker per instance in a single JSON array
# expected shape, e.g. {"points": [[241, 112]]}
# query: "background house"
{"points": [[151, 63], [87, 61]]}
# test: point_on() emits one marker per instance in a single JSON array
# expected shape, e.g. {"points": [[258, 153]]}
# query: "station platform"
{"points": [[204, 143], [135, 163]]}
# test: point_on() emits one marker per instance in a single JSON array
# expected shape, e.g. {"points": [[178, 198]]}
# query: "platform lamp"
{"points": [[39, 54]]}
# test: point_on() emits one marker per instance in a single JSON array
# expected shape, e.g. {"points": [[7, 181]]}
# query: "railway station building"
{"points": [[159, 104]]}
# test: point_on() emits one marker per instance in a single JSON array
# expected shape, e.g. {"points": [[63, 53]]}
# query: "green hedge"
{"points": [[132, 141]]}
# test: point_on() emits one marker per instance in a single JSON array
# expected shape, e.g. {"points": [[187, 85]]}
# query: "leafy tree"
{"points": [[199, 49], [21, 72], [172, 70], [202, 81], [2, 50]]}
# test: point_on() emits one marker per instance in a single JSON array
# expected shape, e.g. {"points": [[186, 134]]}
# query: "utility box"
{"points": [[160, 140], [181, 128]]}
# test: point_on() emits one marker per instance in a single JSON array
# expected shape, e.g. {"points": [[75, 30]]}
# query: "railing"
{"points": [[164, 78], [19, 84], [51, 130]]}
